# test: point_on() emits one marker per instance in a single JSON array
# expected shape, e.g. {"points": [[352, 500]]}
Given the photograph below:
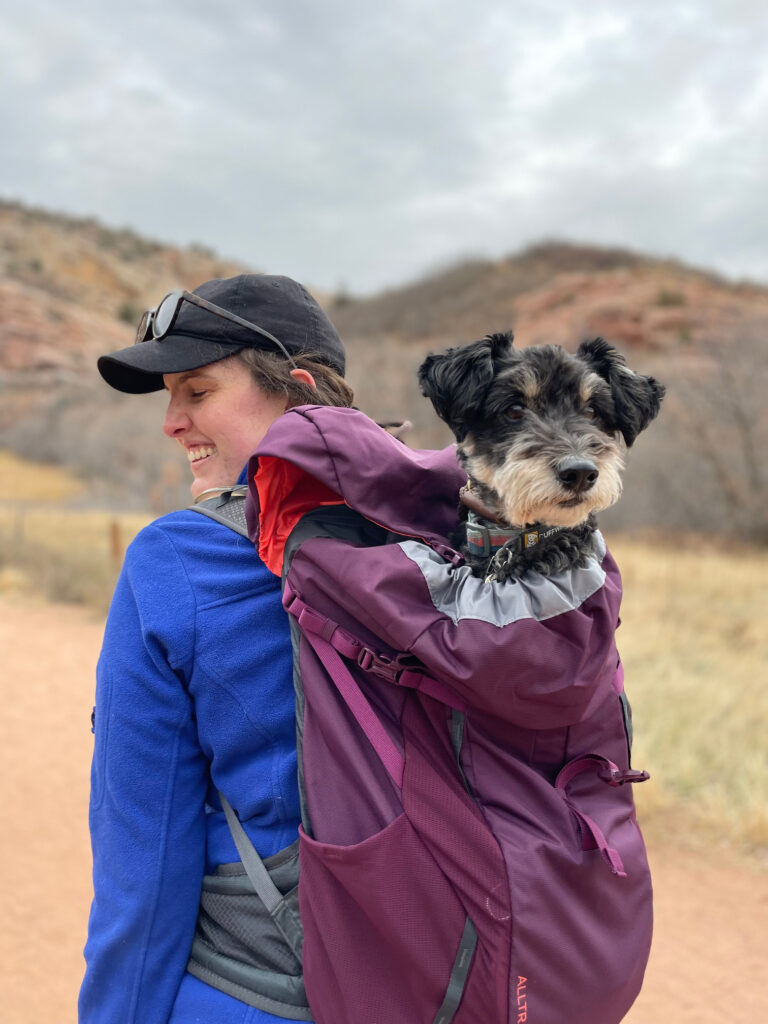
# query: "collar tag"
{"points": [[530, 538]]}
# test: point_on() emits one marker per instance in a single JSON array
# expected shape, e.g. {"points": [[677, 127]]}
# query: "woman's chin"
{"points": [[213, 471], [203, 479]]}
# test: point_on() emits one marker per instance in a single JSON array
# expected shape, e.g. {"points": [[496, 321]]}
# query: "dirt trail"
{"points": [[708, 962]]}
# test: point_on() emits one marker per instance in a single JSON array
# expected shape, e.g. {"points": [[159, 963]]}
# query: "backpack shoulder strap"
{"points": [[225, 505]]}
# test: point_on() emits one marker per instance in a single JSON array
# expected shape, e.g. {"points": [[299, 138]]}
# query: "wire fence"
{"points": [[62, 554]]}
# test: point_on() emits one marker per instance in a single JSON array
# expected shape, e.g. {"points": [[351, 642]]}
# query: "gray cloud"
{"points": [[363, 143]]}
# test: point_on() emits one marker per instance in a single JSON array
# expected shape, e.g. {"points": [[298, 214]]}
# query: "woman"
{"points": [[194, 690]]}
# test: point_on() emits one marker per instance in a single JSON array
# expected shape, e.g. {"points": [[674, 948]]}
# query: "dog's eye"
{"points": [[589, 412], [515, 412]]}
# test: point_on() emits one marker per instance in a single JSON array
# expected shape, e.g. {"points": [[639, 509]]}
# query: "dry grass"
{"points": [[694, 641], [23, 481]]}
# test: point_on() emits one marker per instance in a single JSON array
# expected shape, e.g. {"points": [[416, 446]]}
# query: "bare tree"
{"points": [[719, 408]]}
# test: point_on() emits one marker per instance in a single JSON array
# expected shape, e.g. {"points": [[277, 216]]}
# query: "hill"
{"points": [[71, 289], [655, 310], [110, 271], [703, 466], [559, 292]]}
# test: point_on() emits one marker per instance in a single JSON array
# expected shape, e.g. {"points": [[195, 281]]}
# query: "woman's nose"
{"points": [[176, 420]]}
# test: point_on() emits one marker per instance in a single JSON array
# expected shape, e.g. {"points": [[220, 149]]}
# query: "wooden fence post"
{"points": [[115, 544], [18, 529]]}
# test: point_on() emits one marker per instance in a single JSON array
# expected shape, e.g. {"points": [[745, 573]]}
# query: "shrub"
{"points": [[129, 313], [668, 297]]}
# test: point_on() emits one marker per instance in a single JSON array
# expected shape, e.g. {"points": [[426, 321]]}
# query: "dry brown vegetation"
{"points": [[694, 640], [719, 428]]}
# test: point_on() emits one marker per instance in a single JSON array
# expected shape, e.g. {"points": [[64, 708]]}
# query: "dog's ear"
{"points": [[636, 398], [457, 381]]}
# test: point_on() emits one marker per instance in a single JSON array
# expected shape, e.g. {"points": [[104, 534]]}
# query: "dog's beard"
{"points": [[528, 490]]}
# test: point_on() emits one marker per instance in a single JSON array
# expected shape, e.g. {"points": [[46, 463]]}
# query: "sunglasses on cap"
{"points": [[157, 323]]}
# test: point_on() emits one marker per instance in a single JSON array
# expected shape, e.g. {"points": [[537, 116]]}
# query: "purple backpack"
{"points": [[469, 850]]}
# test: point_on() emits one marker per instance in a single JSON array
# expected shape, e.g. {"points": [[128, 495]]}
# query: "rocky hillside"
{"points": [[657, 311], [71, 289], [562, 293], [100, 268]]}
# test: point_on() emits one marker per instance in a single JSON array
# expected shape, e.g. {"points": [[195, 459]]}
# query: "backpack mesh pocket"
{"points": [[234, 922]]}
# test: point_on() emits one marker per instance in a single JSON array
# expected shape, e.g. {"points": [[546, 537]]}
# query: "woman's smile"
{"points": [[197, 454]]}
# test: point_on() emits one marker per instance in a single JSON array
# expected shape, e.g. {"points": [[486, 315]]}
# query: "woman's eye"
{"points": [[515, 412], [197, 394]]}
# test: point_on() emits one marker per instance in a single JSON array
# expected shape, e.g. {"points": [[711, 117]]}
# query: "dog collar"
{"points": [[485, 538]]}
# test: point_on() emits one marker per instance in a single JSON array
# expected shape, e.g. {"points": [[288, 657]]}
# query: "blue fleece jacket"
{"points": [[194, 694]]}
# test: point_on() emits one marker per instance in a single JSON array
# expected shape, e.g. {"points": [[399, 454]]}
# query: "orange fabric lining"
{"points": [[286, 493]]}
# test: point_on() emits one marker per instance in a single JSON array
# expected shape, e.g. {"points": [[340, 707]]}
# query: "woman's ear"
{"points": [[304, 376]]}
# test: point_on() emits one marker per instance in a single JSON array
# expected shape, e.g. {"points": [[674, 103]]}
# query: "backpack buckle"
{"points": [[365, 659], [378, 664], [619, 776], [453, 557]]}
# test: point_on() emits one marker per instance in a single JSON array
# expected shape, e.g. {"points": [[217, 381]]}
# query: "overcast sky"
{"points": [[365, 143]]}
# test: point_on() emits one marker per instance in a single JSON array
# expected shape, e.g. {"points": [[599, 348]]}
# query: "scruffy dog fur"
{"points": [[541, 434]]}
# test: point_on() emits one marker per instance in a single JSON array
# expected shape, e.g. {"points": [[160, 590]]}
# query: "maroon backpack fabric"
{"points": [[469, 849]]}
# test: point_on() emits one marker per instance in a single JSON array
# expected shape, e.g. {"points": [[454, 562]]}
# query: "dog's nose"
{"points": [[577, 474]]}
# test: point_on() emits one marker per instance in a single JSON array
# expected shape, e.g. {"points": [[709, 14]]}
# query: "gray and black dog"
{"points": [[541, 434]]}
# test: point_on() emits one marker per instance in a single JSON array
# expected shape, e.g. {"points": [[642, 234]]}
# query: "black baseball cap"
{"points": [[278, 305]]}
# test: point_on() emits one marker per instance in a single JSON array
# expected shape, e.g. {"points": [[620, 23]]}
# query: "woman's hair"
{"points": [[272, 374]]}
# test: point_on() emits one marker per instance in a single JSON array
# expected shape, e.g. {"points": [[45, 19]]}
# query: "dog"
{"points": [[541, 434]]}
